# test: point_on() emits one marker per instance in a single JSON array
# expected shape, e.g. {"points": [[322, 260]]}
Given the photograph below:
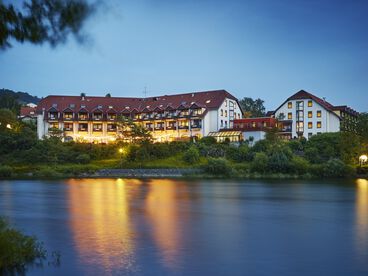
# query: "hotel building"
{"points": [[168, 117], [304, 114]]}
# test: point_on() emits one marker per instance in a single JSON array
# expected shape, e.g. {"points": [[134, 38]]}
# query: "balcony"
{"points": [[111, 117], [183, 127], [82, 129], [97, 117], [159, 128], [53, 116], [196, 126], [95, 129], [171, 127], [83, 117], [68, 116], [68, 128]]}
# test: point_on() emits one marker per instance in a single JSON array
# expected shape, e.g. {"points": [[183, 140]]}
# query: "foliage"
{"points": [[9, 101], [335, 168], [17, 250], [252, 108], [259, 163], [83, 158], [362, 126], [208, 140], [218, 166], [5, 171], [191, 156], [299, 165], [239, 154], [43, 21], [321, 148]]}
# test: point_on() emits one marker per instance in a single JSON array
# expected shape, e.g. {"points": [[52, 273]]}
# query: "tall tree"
{"points": [[43, 21], [362, 125], [252, 108]]}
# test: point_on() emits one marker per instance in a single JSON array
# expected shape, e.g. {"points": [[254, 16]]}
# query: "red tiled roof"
{"points": [[306, 95], [302, 94], [27, 111], [208, 99]]}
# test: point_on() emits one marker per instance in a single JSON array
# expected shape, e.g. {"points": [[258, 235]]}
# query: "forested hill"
{"points": [[21, 97]]}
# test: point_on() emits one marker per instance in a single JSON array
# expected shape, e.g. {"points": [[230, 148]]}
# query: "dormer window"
{"points": [[72, 105], [97, 115], [68, 115]]}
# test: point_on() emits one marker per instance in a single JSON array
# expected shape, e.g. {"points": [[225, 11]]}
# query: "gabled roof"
{"points": [[208, 99], [302, 95]]}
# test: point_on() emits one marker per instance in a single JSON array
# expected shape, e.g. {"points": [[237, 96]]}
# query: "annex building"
{"points": [[304, 114]]}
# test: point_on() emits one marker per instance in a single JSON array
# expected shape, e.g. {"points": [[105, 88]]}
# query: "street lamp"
{"points": [[363, 159]]}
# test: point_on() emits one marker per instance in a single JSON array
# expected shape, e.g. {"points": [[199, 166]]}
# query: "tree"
{"points": [[131, 132], [9, 101], [7, 119], [252, 108], [362, 125], [43, 21], [108, 95]]}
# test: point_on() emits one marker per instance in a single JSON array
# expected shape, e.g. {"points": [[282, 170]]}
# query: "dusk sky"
{"points": [[267, 49]]}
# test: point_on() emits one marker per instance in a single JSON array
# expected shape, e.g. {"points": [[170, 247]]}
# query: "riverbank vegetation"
{"points": [[17, 250], [323, 155]]}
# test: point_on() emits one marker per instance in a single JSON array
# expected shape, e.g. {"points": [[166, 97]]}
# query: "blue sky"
{"points": [[266, 49]]}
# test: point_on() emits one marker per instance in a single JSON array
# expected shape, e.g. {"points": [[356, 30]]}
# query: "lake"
{"points": [[182, 227]]}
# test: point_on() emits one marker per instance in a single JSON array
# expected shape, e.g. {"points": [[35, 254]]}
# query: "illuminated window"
{"points": [[310, 125], [290, 115], [310, 103], [290, 105], [310, 114], [253, 124], [319, 124], [319, 113]]}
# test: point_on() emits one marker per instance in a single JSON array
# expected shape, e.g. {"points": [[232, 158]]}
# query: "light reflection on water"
{"points": [[177, 227], [101, 222], [362, 218]]}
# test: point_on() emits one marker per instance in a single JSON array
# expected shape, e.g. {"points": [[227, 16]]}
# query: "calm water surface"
{"points": [[175, 227]]}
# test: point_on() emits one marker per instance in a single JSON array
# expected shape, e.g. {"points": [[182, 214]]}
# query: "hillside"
{"points": [[21, 97]]}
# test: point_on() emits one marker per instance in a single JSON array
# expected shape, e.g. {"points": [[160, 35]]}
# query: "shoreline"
{"points": [[175, 173]]}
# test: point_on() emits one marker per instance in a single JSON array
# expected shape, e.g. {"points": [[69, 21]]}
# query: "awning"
{"points": [[224, 133]]}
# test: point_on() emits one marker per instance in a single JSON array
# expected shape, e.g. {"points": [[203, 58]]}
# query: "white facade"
{"points": [[307, 117], [257, 135], [211, 120]]}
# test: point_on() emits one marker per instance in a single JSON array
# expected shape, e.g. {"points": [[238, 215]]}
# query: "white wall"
{"points": [[257, 135], [329, 121]]}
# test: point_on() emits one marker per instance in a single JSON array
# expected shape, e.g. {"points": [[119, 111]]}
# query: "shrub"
{"points": [[83, 158], [299, 165], [335, 168], [279, 162], [191, 156], [239, 154], [208, 140], [6, 171], [259, 163], [218, 166], [17, 250]]}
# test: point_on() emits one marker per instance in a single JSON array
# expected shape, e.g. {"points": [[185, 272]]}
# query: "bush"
{"points": [[279, 162], [218, 166], [335, 168], [208, 140], [83, 158], [259, 163], [299, 165], [6, 171], [239, 154], [191, 156], [17, 250]]}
